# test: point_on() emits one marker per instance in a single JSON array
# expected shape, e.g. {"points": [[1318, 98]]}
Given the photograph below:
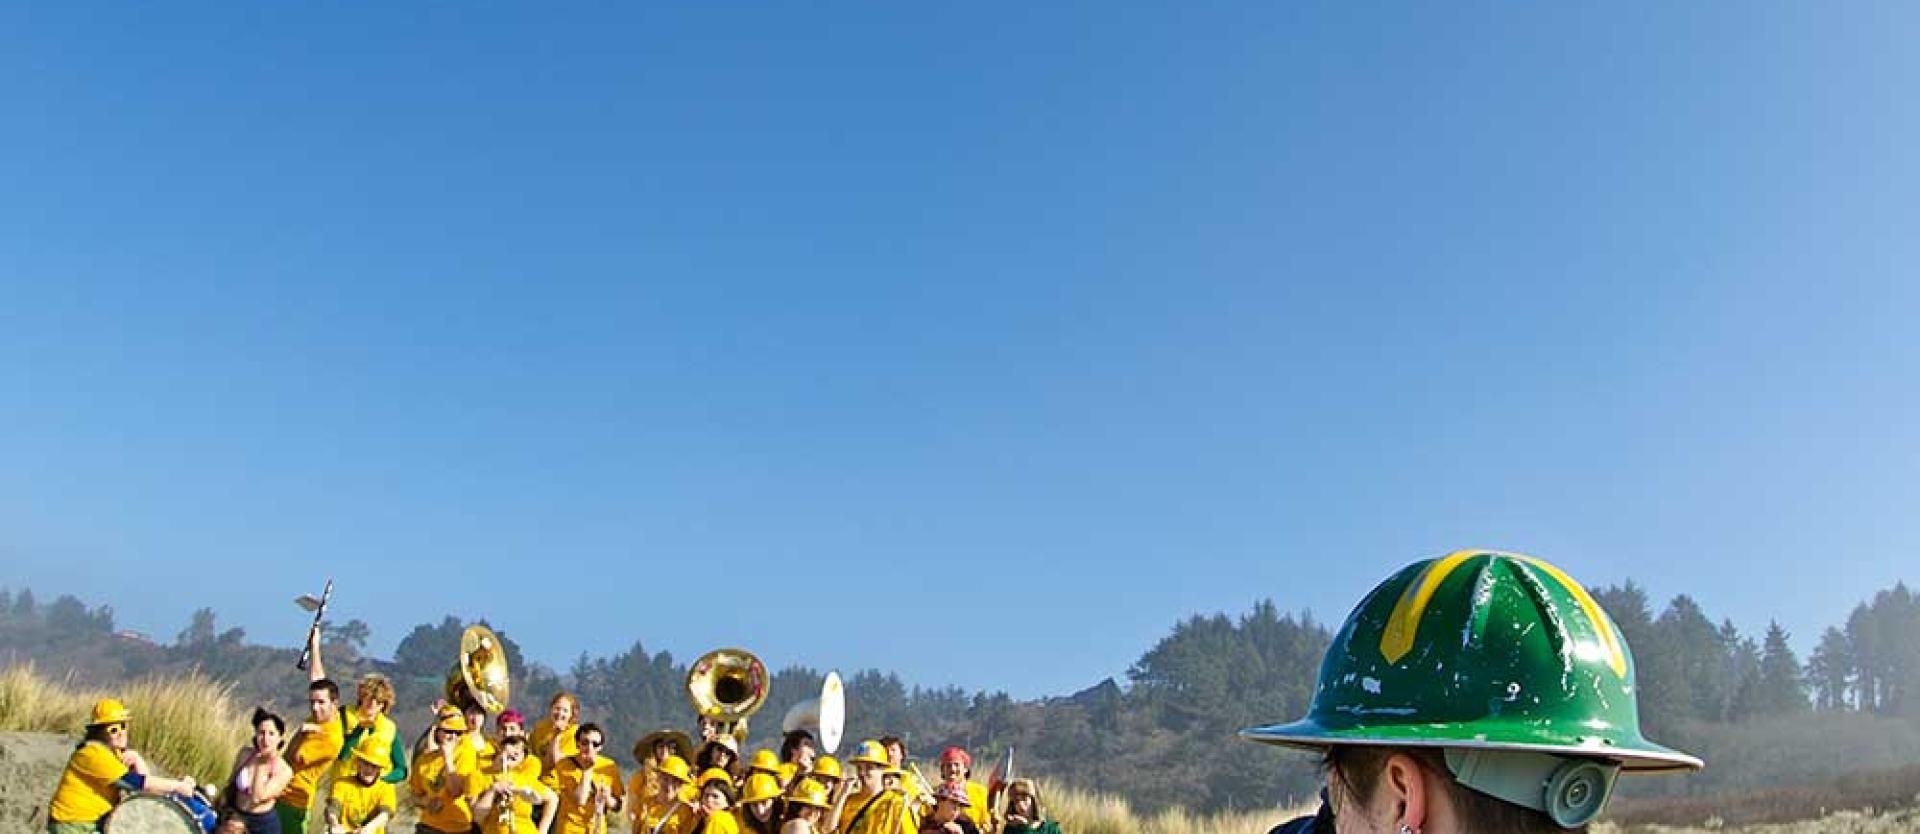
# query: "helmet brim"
{"points": [[1634, 754]]}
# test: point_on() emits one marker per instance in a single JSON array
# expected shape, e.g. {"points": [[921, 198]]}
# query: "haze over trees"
{"points": [[1162, 736]]}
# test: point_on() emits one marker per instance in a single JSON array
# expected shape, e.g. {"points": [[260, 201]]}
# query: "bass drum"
{"points": [[150, 814]]}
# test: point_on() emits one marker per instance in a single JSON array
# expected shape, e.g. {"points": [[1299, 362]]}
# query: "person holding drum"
{"points": [[260, 776], [365, 802], [101, 770], [1478, 691]]}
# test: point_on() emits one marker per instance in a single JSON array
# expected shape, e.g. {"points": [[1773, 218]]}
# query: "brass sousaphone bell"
{"points": [[728, 685], [479, 674]]}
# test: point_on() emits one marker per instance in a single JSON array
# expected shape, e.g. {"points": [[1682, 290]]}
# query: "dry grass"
{"points": [[1085, 812], [186, 725]]}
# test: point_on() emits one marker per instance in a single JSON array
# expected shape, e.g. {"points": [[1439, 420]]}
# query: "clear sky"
{"points": [[979, 342]]}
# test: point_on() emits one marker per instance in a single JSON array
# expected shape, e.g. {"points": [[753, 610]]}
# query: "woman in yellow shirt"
{"points": [[100, 771], [716, 804], [505, 805], [667, 810], [759, 809], [554, 737]]}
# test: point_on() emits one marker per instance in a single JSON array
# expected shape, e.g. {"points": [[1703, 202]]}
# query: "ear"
{"points": [[1406, 782]]}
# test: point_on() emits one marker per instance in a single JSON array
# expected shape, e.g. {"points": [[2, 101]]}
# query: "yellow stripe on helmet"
{"points": [[1404, 622], [1616, 655]]}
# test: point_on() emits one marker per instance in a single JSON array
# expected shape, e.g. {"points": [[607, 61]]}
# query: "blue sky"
{"points": [[977, 342]]}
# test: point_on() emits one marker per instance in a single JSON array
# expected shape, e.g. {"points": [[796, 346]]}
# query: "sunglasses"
{"points": [[589, 742]]}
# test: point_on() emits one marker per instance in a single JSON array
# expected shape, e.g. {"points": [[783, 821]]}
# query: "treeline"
{"points": [[1164, 736]]}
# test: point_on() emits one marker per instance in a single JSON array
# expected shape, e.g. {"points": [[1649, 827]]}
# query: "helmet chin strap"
{"points": [[1570, 790]]}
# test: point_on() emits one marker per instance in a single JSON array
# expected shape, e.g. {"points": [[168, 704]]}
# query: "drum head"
{"points": [[148, 814]]}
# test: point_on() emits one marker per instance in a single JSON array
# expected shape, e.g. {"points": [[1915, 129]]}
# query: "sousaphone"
{"points": [[825, 715], [479, 674], [728, 685]]}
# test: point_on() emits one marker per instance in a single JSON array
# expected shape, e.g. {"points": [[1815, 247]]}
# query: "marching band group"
{"points": [[344, 770]]}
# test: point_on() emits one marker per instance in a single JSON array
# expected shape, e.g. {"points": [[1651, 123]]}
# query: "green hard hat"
{"points": [[1479, 650]]}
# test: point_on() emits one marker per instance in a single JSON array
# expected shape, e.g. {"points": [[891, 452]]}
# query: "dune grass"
{"points": [[187, 725], [1087, 812]]}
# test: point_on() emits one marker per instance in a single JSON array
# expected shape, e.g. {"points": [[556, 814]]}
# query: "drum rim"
{"points": [[179, 809]]}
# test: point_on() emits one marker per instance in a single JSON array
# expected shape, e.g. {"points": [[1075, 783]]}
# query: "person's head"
{"points": [[664, 748], [949, 800], [373, 696], [450, 725], [110, 723], [1023, 799], [891, 778], [267, 730], [563, 709], [670, 777], [476, 716], [868, 760], [512, 724], [513, 751], [955, 764], [716, 795], [797, 747], [1479, 691], [709, 728], [369, 763], [230, 824], [722, 752], [590, 740], [826, 771], [808, 800], [896, 750], [323, 700], [758, 796]]}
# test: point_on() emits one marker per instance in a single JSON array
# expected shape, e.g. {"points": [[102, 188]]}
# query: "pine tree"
{"points": [[1778, 690], [1830, 671]]}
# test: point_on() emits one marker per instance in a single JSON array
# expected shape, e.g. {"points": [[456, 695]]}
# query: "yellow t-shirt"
{"points": [[522, 809], [86, 792], [874, 821], [441, 807], [575, 818], [723, 822], [977, 809], [542, 735], [679, 816], [358, 803], [309, 755]]}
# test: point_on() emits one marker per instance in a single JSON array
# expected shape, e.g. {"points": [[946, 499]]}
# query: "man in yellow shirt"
{"points": [[100, 771], [440, 777], [362, 803], [668, 809], [314, 747], [505, 799], [863, 804], [588, 784]]}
